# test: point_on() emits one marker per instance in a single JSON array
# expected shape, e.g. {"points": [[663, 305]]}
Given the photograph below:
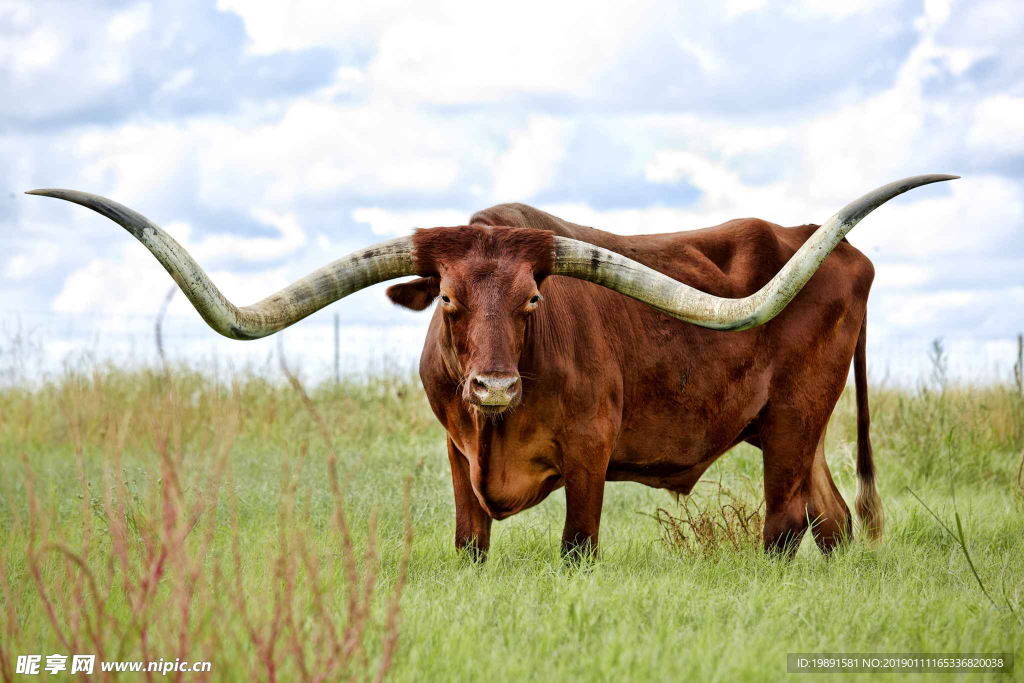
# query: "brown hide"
{"points": [[614, 390]]}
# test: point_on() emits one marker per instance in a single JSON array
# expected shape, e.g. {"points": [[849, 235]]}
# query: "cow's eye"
{"points": [[535, 299], [445, 299]]}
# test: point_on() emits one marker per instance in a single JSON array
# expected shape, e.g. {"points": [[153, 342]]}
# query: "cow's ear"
{"points": [[416, 294]]}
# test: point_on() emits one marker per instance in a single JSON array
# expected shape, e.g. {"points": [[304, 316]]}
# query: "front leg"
{"points": [[584, 496], [472, 523]]}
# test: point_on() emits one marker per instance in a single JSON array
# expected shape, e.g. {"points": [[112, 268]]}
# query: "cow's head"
{"points": [[488, 283]]}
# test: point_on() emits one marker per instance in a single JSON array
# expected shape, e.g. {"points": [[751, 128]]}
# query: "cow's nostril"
{"points": [[498, 389]]}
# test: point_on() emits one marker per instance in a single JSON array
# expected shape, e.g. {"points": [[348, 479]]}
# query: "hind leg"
{"points": [[798, 487], [835, 524]]}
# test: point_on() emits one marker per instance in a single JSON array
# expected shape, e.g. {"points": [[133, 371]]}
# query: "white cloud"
{"points": [[32, 262], [805, 9], [314, 150], [458, 51], [134, 163], [936, 13], [448, 62], [531, 161], [227, 246], [130, 23], [896, 276], [318, 148], [933, 310], [726, 195], [176, 82], [276, 26], [833, 10], [347, 80], [998, 127], [737, 8], [27, 54], [392, 223], [706, 59]]}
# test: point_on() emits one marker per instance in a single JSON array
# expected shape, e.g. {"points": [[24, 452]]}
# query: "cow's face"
{"points": [[487, 283]]}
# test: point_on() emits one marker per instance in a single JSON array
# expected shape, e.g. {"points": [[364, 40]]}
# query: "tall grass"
{"points": [[149, 560], [151, 515]]}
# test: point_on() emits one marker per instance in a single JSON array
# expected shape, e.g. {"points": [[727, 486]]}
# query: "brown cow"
{"points": [[545, 376], [544, 382]]}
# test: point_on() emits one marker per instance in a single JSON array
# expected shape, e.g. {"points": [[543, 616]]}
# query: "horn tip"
{"points": [[919, 180], [50, 192], [931, 178]]}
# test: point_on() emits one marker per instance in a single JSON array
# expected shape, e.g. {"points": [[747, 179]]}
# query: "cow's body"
{"points": [[615, 390]]}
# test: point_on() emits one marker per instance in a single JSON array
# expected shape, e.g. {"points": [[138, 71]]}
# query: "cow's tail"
{"points": [[868, 503]]}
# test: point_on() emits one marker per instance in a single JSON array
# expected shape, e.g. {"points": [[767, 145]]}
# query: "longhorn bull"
{"points": [[564, 356]]}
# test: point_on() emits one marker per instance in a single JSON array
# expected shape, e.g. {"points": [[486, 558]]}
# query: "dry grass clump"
{"points": [[706, 525]]}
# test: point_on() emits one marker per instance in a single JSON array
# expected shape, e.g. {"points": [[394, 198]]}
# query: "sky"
{"points": [[270, 138]]}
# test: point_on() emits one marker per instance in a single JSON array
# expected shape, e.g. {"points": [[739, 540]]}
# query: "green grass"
{"points": [[643, 611]]}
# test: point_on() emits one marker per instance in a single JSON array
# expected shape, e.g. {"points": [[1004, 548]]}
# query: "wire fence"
{"points": [[37, 344]]}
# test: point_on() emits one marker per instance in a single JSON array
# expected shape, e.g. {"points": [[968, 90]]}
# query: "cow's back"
{"points": [[732, 260]]}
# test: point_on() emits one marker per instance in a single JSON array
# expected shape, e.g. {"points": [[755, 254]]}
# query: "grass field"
{"points": [[148, 517]]}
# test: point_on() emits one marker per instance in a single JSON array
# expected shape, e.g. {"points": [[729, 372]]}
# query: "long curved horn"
{"points": [[614, 271], [349, 274]]}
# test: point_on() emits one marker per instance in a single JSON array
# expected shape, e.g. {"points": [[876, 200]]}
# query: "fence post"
{"points": [[1018, 367], [159, 326], [337, 349]]}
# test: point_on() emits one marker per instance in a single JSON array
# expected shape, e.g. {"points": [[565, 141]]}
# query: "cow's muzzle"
{"points": [[493, 392]]}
